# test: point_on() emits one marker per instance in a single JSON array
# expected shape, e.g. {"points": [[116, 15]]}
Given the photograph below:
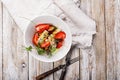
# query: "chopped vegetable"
{"points": [[51, 39], [43, 36], [60, 35], [47, 39], [51, 28], [52, 49], [45, 44], [41, 27], [59, 44], [35, 39], [56, 31]]}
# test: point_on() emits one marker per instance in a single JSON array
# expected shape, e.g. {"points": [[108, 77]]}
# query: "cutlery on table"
{"points": [[64, 66], [68, 57]]}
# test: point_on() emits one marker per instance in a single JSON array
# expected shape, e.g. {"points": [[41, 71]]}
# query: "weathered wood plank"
{"points": [[117, 37], [9, 67], [87, 64], [73, 70], [37, 67], [110, 39], [32, 68], [58, 73], [21, 56], [1, 40], [96, 63], [87, 56], [98, 14], [15, 61], [45, 67], [93, 62]]}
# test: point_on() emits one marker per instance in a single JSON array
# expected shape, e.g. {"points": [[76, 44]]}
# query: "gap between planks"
{"points": [[1, 40]]}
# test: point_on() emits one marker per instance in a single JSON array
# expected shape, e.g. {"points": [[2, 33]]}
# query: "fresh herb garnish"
{"points": [[40, 50], [52, 49], [29, 48]]}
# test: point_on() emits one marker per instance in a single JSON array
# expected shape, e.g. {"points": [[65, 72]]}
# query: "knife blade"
{"points": [[39, 77], [64, 70]]}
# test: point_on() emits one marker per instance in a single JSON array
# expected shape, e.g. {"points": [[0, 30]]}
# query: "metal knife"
{"points": [[40, 77], [64, 69]]}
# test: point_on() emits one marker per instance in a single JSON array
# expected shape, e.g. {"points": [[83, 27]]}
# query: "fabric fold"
{"points": [[82, 27]]}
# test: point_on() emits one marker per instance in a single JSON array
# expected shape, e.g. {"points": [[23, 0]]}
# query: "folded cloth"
{"points": [[82, 27]]}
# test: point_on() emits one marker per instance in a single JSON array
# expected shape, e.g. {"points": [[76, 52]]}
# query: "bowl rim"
{"points": [[44, 15]]}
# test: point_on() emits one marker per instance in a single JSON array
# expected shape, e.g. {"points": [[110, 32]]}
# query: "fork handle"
{"points": [[40, 77], [63, 73]]}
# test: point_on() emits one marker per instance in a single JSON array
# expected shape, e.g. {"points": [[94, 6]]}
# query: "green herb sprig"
{"points": [[41, 51], [28, 49]]}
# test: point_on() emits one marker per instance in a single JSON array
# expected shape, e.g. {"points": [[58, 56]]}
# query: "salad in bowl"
{"points": [[48, 38]]}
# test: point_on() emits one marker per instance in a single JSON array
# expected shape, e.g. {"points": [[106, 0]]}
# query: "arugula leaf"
{"points": [[49, 55], [40, 50], [56, 40], [52, 49], [29, 48]]}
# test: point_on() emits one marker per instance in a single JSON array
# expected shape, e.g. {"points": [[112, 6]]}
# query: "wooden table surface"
{"points": [[99, 62]]}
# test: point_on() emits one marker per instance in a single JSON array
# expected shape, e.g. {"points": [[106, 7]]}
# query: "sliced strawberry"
{"points": [[60, 35], [35, 39], [41, 27]]}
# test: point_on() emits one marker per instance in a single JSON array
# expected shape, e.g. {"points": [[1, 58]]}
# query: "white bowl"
{"points": [[30, 30]]}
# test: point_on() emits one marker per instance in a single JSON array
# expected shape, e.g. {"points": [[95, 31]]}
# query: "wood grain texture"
{"points": [[37, 67], [93, 59], [58, 73], [87, 56], [1, 40], [9, 67], [22, 56], [87, 64], [110, 40], [32, 68], [45, 67], [15, 61], [117, 37], [98, 13], [98, 62], [73, 70]]}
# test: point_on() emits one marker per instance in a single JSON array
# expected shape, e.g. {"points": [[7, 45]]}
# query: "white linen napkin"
{"points": [[82, 27]]}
